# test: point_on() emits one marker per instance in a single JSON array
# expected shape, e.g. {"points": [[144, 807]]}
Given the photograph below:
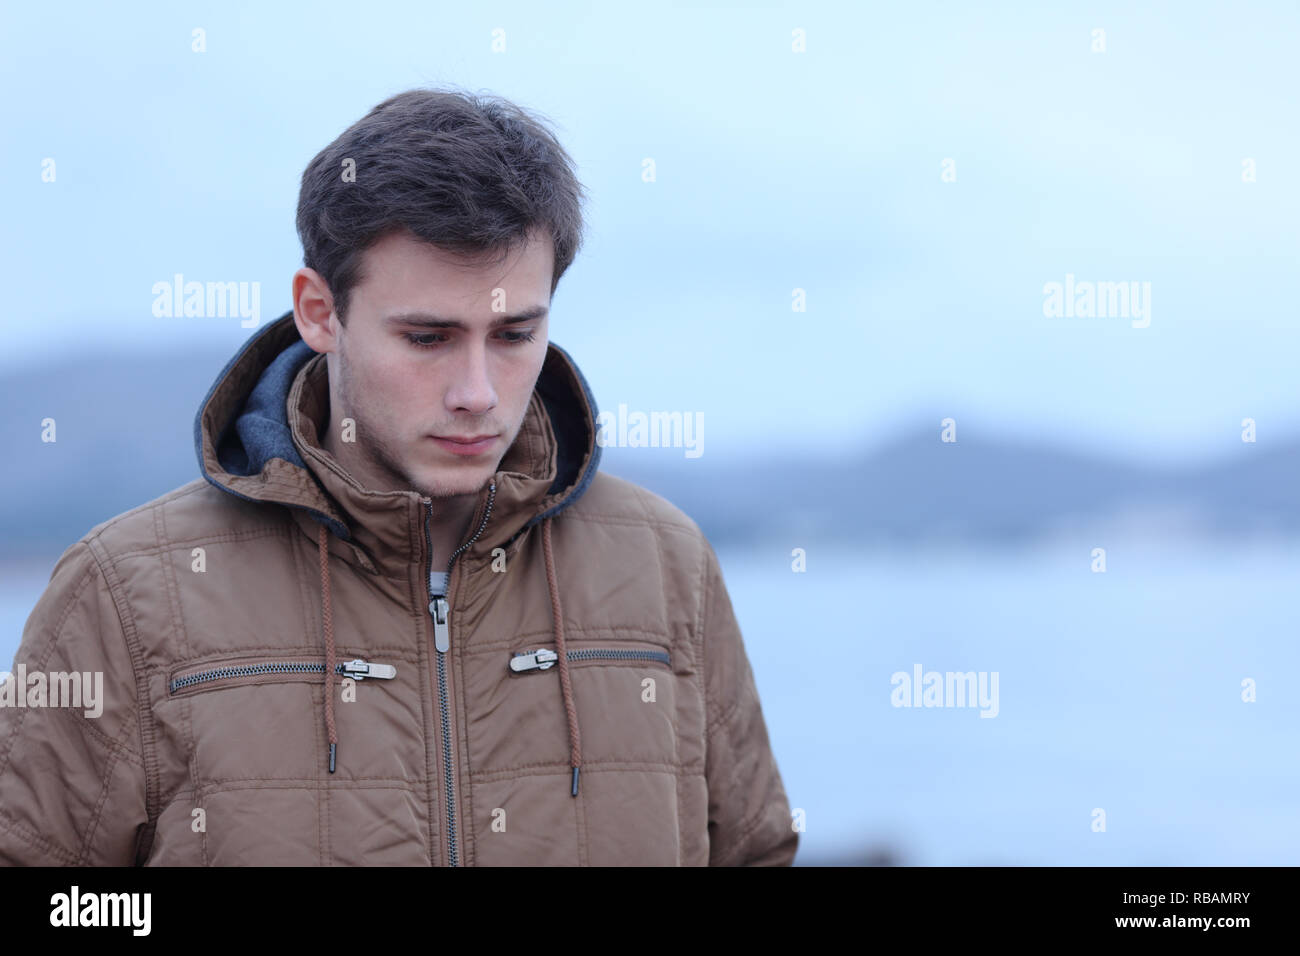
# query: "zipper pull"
{"points": [[362, 669], [441, 629], [530, 660]]}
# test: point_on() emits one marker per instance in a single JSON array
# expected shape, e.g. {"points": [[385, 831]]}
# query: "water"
{"points": [[1118, 690]]}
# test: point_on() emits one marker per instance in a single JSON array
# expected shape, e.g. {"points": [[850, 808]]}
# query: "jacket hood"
{"points": [[256, 436]]}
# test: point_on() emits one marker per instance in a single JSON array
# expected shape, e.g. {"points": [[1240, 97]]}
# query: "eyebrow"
{"points": [[427, 320]]}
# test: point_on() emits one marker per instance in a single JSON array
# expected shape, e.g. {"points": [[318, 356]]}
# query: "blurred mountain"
{"points": [[918, 490], [125, 435]]}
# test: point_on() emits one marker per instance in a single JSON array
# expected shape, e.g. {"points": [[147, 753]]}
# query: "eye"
{"points": [[415, 337], [431, 340], [518, 338]]}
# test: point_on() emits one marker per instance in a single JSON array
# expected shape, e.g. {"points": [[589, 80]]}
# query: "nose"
{"points": [[471, 390]]}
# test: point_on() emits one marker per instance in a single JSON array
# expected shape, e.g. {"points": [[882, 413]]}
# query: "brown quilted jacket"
{"points": [[575, 690]]}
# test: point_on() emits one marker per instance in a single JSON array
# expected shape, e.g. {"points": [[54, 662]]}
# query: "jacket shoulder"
{"points": [[618, 500], [620, 523], [194, 511]]}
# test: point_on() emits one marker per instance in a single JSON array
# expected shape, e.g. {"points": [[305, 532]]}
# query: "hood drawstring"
{"points": [[557, 617], [570, 709], [327, 614]]}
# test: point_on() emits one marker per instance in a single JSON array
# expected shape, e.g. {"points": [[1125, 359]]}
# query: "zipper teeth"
{"points": [[452, 857], [446, 760], [246, 670], [618, 654], [492, 493], [594, 653]]}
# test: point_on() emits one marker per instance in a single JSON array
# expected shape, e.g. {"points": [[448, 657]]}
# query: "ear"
{"points": [[313, 310]]}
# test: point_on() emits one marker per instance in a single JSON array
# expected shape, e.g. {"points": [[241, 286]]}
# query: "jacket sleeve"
{"points": [[72, 781], [749, 815]]}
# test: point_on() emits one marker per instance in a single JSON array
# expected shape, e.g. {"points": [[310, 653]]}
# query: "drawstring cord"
{"points": [[570, 709], [328, 615], [557, 615]]}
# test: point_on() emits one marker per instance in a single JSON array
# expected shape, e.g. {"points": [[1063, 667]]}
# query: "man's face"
{"points": [[426, 359]]}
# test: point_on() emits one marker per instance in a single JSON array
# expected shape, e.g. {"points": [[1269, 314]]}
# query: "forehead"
{"points": [[399, 269]]}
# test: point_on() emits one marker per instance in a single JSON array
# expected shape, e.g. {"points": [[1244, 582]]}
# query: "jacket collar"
{"points": [[257, 438]]}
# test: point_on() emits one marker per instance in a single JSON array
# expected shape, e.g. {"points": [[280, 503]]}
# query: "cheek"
{"points": [[519, 385], [390, 387], [523, 373]]}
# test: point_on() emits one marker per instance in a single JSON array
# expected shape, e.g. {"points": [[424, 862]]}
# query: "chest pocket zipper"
{"points": [[356, 669], [543, 658]]}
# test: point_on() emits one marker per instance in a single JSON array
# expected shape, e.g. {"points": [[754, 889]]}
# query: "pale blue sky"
{"points": [[776, 170]]}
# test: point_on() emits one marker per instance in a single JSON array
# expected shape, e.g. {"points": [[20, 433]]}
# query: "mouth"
{"points": [[466, 444]]}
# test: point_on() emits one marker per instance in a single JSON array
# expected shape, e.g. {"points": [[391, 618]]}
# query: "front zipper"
{"points": [[543, 658], [440, 610], [357, 669]]}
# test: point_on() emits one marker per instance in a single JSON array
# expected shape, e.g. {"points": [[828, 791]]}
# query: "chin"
{"points": [[459, 481]]}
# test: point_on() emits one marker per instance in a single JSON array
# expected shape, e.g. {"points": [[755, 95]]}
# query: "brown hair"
{"points": [[470, 173]]}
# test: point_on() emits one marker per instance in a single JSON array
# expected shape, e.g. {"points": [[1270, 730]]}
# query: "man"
{"points": [[401, 618]]}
